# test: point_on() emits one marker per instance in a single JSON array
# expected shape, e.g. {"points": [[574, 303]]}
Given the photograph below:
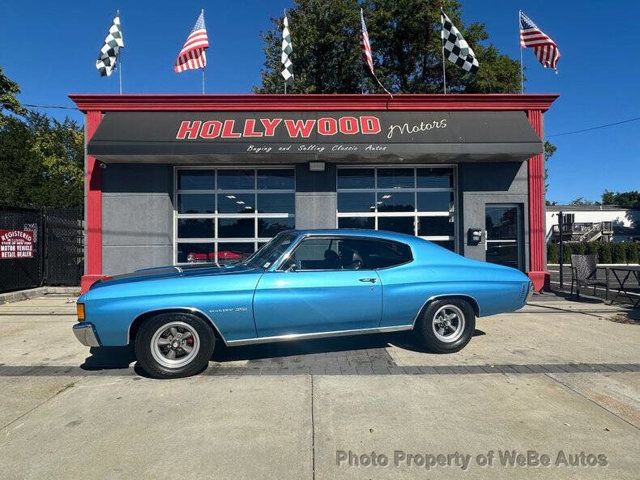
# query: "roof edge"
{"points": [[310, 102]]}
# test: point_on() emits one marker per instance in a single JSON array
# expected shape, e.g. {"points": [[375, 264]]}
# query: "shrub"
{"points": [[619, 253], [567, 252], [592, 248], [604, 252], [580, 248], [633, 252], [552, 253]]}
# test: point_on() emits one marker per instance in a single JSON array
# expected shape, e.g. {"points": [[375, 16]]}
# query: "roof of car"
{"points": [[401, 237]]}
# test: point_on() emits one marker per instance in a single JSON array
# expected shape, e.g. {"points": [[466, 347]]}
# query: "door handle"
{"points": [[367, 280]]}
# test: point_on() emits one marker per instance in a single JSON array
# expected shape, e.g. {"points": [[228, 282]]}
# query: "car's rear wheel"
{"points": [[446, 326], [173, 345]]}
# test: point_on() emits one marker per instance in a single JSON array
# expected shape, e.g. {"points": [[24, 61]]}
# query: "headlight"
{"points": [[80, 311]]}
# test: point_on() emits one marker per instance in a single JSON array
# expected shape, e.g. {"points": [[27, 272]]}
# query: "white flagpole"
{"points": [[285, 80], [202, 12], [444, 68], [521, 63], [119, 55]]}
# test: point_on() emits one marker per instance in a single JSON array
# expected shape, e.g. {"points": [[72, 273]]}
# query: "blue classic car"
{"points": [[302, 284]]}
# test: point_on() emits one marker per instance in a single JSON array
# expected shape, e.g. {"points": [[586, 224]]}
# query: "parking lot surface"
{"points": [[558, 382]]}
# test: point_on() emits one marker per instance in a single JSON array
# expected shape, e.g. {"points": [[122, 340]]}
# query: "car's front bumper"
{"points": [[85, 334]]}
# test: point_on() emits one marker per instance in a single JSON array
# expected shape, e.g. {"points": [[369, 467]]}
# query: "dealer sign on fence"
{"points": [[16, 244]]}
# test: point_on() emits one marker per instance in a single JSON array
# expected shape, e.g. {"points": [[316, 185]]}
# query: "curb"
{"points": [[21, 295]]}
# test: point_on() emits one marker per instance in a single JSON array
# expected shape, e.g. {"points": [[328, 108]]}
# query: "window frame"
{"points": [[256, 241], [416, 214], [276, 267]]}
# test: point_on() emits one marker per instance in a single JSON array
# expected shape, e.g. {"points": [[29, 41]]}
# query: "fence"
{"points": [[40, 247]]}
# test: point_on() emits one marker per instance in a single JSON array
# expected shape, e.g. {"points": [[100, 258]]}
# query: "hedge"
{"points": [[605, 251]]}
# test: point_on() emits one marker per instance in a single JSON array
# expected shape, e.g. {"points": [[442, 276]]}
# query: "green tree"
{"points": [[623, 199], [41, 162], [405, 39], [8, 100]]}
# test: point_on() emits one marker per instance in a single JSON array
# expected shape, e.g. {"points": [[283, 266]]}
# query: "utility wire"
{"points": [[595, 128], [59, 107]]}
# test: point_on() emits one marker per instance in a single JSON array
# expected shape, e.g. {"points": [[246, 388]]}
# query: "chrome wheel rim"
{"points": [[175, 344], [448, 323]]}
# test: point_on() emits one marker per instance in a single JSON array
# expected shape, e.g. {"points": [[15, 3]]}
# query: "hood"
{"points": [[171, 271]]}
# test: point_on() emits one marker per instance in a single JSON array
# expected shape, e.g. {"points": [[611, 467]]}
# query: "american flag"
{"points": [[543, 46], [192, 55], [364, 43]]}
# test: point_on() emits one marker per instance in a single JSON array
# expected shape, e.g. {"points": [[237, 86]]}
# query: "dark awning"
{"points": [[289, 137]]}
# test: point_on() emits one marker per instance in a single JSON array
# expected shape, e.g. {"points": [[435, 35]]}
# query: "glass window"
{"points": [[347, 254], [435, 201], [397, 224], [248, 206], [271, 251], [403, 195], [195, 252], [434, 178], [270, 227], [357, 222], [236, 202], [236, 228], [396, 178], [236, 179], [276, 202], [357, 202], [229, 253], [356, 178], [278, 179], [396, 201], [196, 228], [435, 226], [196, 180], [196, 203]]}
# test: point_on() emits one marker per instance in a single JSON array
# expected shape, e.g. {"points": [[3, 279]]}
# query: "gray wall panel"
{"points": [[123, 259], [482, 184], [137, 217], [316, 210]]}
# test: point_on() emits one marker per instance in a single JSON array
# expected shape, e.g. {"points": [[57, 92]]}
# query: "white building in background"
{"points": [[594, 222]]}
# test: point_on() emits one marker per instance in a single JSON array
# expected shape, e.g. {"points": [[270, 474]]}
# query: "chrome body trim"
{"points": [[85, 334], [308, 336], [173, 309]]}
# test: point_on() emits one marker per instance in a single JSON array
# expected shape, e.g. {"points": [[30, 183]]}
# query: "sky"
{"points": [[50, 48]]}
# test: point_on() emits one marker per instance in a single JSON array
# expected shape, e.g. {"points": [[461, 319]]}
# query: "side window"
{"points": [[347, 254], [314, 254], [381, 253]]}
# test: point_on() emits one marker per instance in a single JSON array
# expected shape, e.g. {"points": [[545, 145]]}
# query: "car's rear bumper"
{"points": [[86, 335]]}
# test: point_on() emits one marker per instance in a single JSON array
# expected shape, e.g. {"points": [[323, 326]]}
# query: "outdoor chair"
{"points": [[584, 272]]}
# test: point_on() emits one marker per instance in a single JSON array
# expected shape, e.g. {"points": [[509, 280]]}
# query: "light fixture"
{"points": [[316, 166], [386, 197], [240, 202], [231, 197]]}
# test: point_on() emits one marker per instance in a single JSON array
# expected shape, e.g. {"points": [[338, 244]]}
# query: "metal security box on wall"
{"points": [[185, 137], [430, 165]]}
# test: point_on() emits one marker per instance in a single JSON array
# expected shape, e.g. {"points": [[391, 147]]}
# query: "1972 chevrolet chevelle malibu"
{"points": [[301, 285]]}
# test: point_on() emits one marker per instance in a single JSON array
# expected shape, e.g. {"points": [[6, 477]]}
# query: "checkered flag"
{"points": [[109, 52], [456, 48], [287, 48]]}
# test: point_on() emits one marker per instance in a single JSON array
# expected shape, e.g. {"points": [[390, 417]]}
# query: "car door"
{"points": [[322, 287]]}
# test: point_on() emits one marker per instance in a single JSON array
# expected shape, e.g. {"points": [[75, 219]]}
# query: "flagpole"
{"points": [[285, 80], [119, 56], [444, 68], [521, 63], [202, 13]]}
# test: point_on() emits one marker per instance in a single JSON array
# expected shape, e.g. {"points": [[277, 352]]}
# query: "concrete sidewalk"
{"points": [[555, 377]]}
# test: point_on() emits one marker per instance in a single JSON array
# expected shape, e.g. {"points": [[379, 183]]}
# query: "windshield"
{"points": [[269, 253]]}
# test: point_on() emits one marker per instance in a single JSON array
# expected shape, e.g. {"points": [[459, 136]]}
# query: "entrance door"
{"points": [[503, 226]]}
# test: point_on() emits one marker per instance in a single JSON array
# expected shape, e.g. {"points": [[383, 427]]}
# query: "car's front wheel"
{"points": [[173, 345], [446, 326]]}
